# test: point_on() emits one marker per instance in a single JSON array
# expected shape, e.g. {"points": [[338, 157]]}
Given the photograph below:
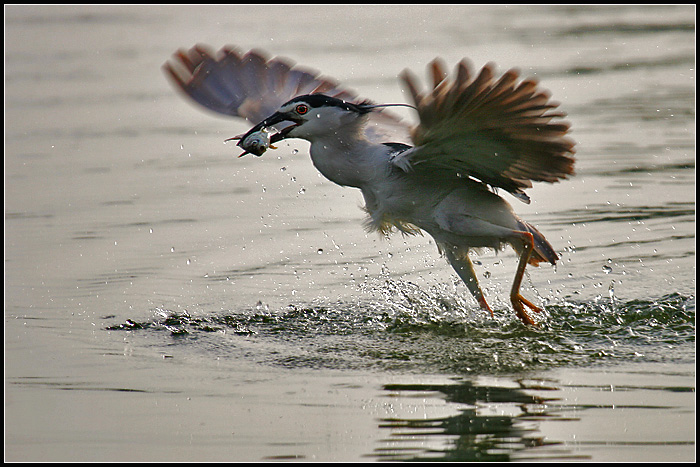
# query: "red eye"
{"points": [[302, 109]]}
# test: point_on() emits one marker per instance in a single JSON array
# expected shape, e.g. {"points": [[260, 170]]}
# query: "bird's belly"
{"points": [[407, 209], [452, 215]]}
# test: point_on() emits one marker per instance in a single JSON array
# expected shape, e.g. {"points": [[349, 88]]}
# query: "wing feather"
{"points": [[497, 130], [249, 85]]}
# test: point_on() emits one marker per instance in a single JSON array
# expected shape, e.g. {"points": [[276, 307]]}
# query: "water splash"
{"points": [[409, 328]]}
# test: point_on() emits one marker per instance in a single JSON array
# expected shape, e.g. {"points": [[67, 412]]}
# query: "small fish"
{"points": [[255, 143]]}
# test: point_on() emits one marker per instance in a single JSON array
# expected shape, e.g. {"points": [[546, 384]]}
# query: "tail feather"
{"points": [[543, 250]]}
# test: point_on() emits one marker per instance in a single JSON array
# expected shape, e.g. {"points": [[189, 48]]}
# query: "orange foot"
{"points": [[484, 306], [518, 301]]}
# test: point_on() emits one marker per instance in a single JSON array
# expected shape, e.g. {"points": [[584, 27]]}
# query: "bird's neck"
{"points": [[347, 160]]}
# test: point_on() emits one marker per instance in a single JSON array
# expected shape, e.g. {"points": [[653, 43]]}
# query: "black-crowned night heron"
{"points": [[476, 133]]}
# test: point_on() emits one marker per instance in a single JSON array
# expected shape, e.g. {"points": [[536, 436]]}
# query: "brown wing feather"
{"points": [[250, 85], [498, 130]]}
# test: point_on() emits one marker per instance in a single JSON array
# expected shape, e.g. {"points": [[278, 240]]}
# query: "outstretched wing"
{"points": [[250, 85], [253, 86], [499, 131]]}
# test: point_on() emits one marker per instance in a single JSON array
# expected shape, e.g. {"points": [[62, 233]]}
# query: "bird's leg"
{"points": [[465, 269], [516, 299]]}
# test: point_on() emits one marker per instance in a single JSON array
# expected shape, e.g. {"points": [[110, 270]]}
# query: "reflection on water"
{"points": [[505, 423], [493, 423], [509, 417]]}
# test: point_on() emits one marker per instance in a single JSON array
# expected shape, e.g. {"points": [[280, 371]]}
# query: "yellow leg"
{"points": [[465, 269], [515, 298]]}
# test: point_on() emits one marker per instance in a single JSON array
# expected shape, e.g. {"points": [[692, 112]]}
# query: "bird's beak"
{"points": [[280, 122]]}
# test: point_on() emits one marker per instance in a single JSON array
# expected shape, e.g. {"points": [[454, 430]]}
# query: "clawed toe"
{"points": [[518, 301]]}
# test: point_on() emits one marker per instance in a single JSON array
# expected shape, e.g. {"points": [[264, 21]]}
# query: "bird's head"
{"points": [[310, 117]]}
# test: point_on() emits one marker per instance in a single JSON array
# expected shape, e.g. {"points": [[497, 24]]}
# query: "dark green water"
{"points": [[428, 334]]}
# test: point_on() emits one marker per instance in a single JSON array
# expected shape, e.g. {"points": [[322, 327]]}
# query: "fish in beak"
{"points": [[261, 137]]}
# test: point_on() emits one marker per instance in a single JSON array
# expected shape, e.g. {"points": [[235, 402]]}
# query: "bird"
{"points": [[477, 133]]}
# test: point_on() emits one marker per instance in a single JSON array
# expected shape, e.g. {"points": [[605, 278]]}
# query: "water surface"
{"points": [[165, 300]]}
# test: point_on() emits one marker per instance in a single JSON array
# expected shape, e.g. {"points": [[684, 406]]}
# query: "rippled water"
{"points": [[166, 300], [417, 332]]}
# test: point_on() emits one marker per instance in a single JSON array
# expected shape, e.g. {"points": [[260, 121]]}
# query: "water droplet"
{"points": [[320, 251], [611, 291], [295, 151], [607, 269]]}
